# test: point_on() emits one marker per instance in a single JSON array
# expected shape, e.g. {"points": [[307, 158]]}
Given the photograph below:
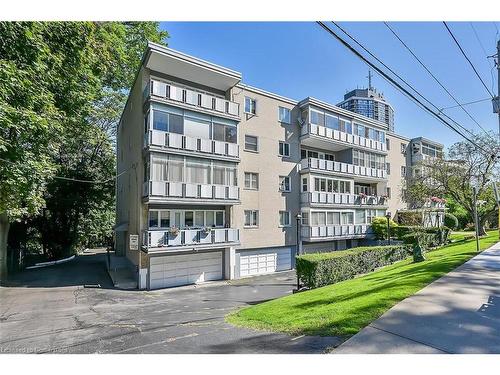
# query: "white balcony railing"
{"points": [[189, 237], [340, 167], [190, 97], [187, 143], [336, 135], [334, 231], [190, 191], [341, 199]]}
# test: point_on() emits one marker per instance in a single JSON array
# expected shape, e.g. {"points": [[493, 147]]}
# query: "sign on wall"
{"points": [[134, 242]]}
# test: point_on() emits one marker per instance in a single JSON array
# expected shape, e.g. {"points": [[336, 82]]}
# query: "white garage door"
{"points": [[255, 262], [175, 270]]}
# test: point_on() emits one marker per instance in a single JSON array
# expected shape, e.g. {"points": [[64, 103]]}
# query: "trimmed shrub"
{"points": [[320, 269], [428, 237], [379, 227], [450, 221]]}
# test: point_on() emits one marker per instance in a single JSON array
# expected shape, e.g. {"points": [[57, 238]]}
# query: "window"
{"points": [[153, 219], [403, 171], [305, 218], [284, 149], [251, 143], [251, 181], [196, 128], [160, 120], [388, 168], [285, 184], [284, 115], [304, 184], [317, 118], [388, 144], [250, 105], [224, 173], [284, 219], [189, 218], [225, 133], [199, 218], [403, 148], [251, 218], [388, 192], [332, 122], [360, 217], [347, 218]]}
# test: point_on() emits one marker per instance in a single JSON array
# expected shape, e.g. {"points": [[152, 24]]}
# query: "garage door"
{"points": [[175, 270], [256, 262]]}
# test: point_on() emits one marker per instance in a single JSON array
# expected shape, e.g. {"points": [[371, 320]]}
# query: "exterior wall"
{"points": [[129, 159], [268, 200], [396, 182]]}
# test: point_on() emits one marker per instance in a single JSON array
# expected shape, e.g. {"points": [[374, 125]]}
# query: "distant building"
{"points": [[370, 103]]}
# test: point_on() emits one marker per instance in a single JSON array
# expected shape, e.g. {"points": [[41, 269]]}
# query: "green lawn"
{"points": [[346, 307]]}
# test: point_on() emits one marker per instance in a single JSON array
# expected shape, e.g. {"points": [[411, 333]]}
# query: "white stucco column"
{"points": [[230, 263]]}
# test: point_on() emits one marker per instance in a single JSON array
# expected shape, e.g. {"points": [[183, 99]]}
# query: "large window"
{"points": [[224, 173], [251, 218], [284, 115], [196, 128], [225, 133], [198, 171], [284, 184], [251, 181], [251, 143], [250, 105], [317, 118], [284, 149], [160, 120], [368, 159], [285, 219], [191, 219], [331, 185]]}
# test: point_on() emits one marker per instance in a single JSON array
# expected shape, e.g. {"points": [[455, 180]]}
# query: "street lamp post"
{"points": [[298, 217], [388, 216]]}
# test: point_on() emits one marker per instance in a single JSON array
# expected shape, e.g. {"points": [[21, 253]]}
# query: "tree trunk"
{"points": [[4, 232]]}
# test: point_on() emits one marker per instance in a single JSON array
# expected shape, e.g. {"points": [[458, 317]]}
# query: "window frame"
{"points": [[256, 143], [286, 146], [254, 107], [254, 177], [288, 215], [254, 217], [286, 111], [281, 185]]}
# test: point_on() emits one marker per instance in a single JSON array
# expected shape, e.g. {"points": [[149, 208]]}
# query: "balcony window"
{"points": [[196, 128], [305, 218], [153, 219], [250, 105], [317, 118], [199, 219], [284, 115], [284, 149], [360, 217], [345, 126], [304, 184], [284, 184], [251, 143], [224, 174], [175, 124], [160, 120], [164, 219], [332, 122], [198, 171], [285, 219], [347, 218], [318, 218], [189, 218], [225, 133], [251, 218], [251, 181]]}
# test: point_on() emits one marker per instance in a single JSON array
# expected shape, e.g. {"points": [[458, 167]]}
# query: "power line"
{"points": [[463, 104], [467, 58], [80, 180], [486, 54], [434, 77], [408, 85], [391, 80]]}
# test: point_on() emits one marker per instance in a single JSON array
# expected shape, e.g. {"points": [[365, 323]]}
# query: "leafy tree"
{"points": [[62, 89], [454, 177]]}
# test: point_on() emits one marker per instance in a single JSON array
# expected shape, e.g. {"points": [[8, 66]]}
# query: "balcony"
{"points": [[337, 167], [190, 98], [323, 137], [334, 232], [336, 199], [169, 239], [164, 191], [159, 138]]}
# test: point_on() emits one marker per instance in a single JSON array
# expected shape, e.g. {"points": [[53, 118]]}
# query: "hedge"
{"points": [[430, 237], [320, 269]]}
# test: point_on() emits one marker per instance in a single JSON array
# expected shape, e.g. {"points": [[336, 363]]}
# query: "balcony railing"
{"points": [[189, 237], [190, 191], [340, 167], [337, 135], [334, 231], [187, 143], [341, 199], [190, 97]]}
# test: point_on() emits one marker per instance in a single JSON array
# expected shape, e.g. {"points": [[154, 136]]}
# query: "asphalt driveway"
{"points": [[61, 309]]}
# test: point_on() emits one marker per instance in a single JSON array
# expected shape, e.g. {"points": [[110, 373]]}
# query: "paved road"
{"points": [[459, 313], [58, 310]]}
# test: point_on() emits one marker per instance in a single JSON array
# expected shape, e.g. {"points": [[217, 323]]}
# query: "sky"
{"points": [[300, 59]]}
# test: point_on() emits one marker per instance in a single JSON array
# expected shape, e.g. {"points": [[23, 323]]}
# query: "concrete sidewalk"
{"points": [[459, 313]]}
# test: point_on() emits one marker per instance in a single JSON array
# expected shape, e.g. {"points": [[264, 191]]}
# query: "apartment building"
{"points": [[220, 180]]}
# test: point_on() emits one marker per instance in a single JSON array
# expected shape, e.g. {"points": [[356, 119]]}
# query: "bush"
{"points": [[425, 237], [320, 269], [450, 221], [379, 227]]}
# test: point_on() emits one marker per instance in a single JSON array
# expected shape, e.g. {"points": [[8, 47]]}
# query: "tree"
{"points": [[62, 89], [453, 177]]}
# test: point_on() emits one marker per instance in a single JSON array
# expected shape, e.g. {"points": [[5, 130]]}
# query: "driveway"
{"points": [[459, 313], [73, 308]]}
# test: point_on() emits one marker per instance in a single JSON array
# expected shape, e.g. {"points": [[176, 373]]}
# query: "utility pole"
{"points": [[476, 221], [497, 198], [497, 106]]}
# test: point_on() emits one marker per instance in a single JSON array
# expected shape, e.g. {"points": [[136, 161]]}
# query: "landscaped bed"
{"points": [[344, 308]]}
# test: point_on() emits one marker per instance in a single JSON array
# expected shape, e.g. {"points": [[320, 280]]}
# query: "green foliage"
{"points": [[451, 221], [379, 227], [62, 89], [425, 237], [316, 270]]}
